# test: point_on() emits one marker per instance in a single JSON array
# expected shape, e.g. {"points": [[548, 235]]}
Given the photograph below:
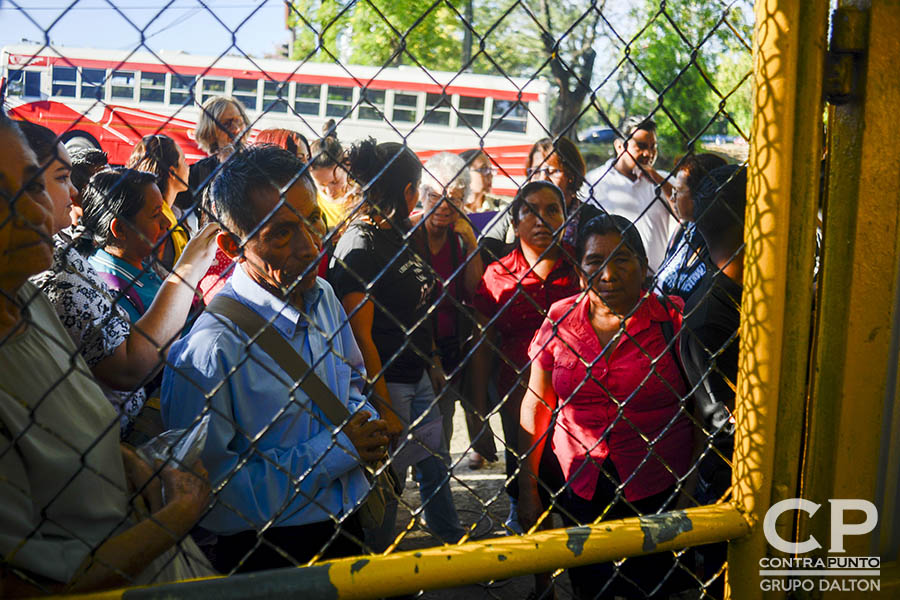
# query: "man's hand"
{"points": [[370, 438]]}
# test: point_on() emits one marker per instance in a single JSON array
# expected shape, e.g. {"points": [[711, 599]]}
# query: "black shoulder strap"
{"points": [[272, 343]]}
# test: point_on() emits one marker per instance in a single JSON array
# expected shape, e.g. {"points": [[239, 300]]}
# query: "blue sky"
{"points": [[189, 25]]}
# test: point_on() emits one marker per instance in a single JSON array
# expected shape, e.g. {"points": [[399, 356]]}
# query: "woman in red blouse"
{"points": [[601, 362], [512, 301]]}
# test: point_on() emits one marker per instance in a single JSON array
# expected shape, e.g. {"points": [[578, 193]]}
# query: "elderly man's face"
{"points": [[286, 248]]}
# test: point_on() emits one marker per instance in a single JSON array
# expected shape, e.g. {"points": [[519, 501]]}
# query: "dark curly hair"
{"points": [[384, 171]]}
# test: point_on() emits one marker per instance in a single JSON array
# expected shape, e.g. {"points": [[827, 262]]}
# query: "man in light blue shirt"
{"points": [[273, 457]]}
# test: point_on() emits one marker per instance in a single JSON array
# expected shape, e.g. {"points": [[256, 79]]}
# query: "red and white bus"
{"points": [[110, 99]]}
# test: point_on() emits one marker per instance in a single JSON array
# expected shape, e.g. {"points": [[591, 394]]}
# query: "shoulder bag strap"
{"points": [[273, 343], [126, 288]]}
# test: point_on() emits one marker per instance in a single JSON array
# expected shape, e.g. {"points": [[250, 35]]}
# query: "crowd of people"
{"points": [[324, 308]]}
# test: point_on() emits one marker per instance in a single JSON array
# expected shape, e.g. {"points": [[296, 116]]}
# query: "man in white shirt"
{"points": [[629, 186]]}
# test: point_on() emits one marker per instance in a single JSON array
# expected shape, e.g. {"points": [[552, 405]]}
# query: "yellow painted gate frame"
{"points": [[774, 408]]}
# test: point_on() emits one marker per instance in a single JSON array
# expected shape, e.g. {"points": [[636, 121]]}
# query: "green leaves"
{"points": [[686, 62]]}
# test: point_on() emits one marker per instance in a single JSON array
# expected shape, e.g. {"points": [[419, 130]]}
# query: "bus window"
{"points": [[471, 112], [212, 87], [244, 90], [437, 109], [307, 99], [372, 107], [63, 81], [275, 97], [92, 83], [25, 83], [182, 89], [153, 87], [123, 85], [340, 101], [405, 107], [509, 115]]}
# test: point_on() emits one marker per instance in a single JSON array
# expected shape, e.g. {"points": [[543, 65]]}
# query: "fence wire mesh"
{"points": [[448, 171]]}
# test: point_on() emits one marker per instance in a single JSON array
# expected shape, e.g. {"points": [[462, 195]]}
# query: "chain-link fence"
{"points": [[512, 232]]}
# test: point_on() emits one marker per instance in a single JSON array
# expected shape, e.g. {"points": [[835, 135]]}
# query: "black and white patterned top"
{"points": [[87, 310]]}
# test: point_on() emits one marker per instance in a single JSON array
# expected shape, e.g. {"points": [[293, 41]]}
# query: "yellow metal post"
{"points": [[785, 148], [855, 370]]}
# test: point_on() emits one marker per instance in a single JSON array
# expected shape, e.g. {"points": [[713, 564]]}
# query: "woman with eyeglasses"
{"points": [[220, 132], [481, 179], [160, 155], [451, 250], [559, 162], [603, 365], [687, 256]]}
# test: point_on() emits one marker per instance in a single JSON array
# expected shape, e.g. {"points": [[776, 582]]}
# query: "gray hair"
{"points": [[210, 118], [445, 172]]}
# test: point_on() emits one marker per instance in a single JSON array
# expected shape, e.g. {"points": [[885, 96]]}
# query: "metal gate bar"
{"points": [[359, 578]]}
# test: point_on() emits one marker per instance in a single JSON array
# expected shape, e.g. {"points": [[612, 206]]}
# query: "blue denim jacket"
{"points": [[273, 452]]}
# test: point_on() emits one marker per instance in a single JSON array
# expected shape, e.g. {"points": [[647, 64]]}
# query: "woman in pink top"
{"points": [[602, 362]]}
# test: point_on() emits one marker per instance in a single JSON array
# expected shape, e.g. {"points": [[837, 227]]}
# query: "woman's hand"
{"points": [[464, 228], [530, 508], [198, 255], [189, 489]]}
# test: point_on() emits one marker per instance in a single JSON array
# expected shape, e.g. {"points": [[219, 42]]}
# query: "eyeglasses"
{"points": [[232, 124], [548, 171], [455, 199], [484, 171]]}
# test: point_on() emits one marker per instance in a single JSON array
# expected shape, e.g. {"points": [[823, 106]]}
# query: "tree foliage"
{"points": [[378, 32], [686, 62]]}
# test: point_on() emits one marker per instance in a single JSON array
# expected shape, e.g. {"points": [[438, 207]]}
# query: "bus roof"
{"points": [[412, 78]]}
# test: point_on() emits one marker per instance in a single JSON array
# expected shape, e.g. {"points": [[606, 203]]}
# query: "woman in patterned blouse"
{"points": [[121, 362]]}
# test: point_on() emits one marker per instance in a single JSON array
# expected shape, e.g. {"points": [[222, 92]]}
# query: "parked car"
{"points": [[597, 135]]}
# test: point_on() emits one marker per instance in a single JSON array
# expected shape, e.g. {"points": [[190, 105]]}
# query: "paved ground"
{"points": [[480, 500]]}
